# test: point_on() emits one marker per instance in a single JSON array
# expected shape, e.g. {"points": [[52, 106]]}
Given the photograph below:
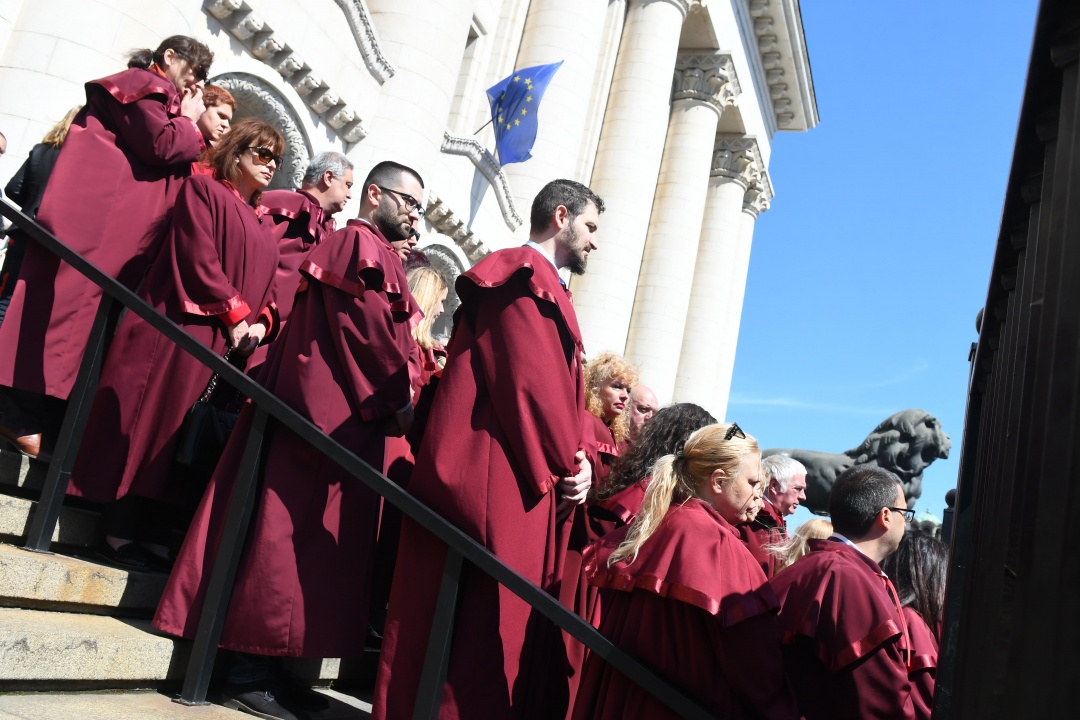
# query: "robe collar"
{"points": [[258, 208], [549, 258]]}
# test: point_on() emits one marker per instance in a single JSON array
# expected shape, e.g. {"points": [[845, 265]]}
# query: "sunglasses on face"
{"points": [[263, 155], [410, 202]]}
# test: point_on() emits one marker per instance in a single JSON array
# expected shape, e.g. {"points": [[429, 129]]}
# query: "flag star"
{"points": [[516, 122], [517, 78], [524, 111], [528, 98], [500, 118], [507, 126]]}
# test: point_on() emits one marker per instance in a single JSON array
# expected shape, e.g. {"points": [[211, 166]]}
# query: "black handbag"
{"points": [[208, 424]]}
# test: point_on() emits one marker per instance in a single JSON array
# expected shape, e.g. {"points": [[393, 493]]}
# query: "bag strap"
{"points": [[209, 391]]}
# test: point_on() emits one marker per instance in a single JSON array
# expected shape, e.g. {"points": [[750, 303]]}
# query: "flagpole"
{"points": [[484, 126]]}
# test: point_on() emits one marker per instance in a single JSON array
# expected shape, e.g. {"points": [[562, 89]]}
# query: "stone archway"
{"points": [[257, 98]]}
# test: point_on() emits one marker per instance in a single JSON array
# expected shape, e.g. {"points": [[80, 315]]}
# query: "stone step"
{"points": [[59, 582], [19, 471], [42, 650], [148, 705], [39, 648], [77, 527]]}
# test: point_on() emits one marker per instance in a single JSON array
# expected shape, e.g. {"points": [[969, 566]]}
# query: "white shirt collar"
{"points": [[542, 251]]}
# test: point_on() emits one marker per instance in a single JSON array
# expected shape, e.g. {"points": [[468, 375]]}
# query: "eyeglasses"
{"points": [[410, 202], [734, 431], [263, 155], [908, 514]]}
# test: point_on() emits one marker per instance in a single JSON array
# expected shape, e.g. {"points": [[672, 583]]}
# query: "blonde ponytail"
{"points": [[679, 477]]}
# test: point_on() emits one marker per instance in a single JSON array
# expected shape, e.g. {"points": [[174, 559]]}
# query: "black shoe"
{"points": [[128, 555], [255, 699], [299, 695]]}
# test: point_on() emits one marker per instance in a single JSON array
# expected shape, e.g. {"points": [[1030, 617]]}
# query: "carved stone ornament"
{"points": [[254, 98], [707, 77], [440, 216], [490, 168], [759, 195], [766, 14], [737, 158], [267, 45], [367, 41]]}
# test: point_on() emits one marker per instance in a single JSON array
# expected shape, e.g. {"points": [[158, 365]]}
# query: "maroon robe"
{"points": [[216, 267], [922, 668], [695, 607], [619, 509], [108, 199], [844, 636], [298, 223], [503, 430], [768, 528], [342, 362]]}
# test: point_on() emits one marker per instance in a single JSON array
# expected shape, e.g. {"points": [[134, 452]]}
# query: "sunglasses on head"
{"points": [[734, 431], [263, 155]]}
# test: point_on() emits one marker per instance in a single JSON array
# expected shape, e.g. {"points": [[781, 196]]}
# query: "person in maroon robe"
{"points": [[108, 199], [429, 289], [617, 500], [502, 459], [609, 379], [684, 596], [846, 642], [299, 221], [342, 361], [214, 277], [919, 569], [213, 124], [784, 489]]}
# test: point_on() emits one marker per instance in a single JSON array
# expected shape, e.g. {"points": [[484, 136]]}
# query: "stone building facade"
{"points": [[667, 108]]}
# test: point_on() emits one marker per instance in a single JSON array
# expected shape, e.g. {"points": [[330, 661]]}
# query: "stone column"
{"points": [[757, 199], [425, 42], [627, 164], [736, 164], [571, 31], [705, 84]]}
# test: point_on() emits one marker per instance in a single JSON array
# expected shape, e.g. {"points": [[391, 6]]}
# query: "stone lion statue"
{"points": [[905, 443]]}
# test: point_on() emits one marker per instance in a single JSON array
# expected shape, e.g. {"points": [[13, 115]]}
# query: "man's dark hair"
{"points": [[388, 173], [574, 196], [919, 569], [858, 496], [660, 435]]}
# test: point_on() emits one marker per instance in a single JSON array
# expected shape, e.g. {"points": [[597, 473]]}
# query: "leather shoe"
{"points": [[255, 699], [28, 445]]}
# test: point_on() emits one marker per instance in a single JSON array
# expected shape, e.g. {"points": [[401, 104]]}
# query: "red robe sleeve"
{"points": [[206, 290], [922, 667], [369, 327], [154, 137], [526, 370]]}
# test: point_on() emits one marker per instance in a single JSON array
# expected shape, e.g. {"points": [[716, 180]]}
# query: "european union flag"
{"points": [[514, 102]]}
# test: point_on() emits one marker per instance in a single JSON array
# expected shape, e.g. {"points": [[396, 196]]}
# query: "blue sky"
{"points": [[868, 270]]}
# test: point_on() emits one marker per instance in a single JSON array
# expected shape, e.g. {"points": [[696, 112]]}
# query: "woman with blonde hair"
{"points": [[685, 597], [787, 552], [609, 378]]}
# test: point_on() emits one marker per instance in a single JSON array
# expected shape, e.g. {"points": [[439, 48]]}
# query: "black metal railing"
{"points": [[462, 549]]}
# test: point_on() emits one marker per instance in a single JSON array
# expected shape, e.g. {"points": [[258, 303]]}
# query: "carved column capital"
{"points": [[737, 158], [706, 77]]}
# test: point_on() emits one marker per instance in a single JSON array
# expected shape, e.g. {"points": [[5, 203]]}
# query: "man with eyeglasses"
{"points": [[846, 645], [502, 460], [299, 220], [343, 362]]}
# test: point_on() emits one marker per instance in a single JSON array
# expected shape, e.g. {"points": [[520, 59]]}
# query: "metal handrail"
{"points": [[270, 409]]}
